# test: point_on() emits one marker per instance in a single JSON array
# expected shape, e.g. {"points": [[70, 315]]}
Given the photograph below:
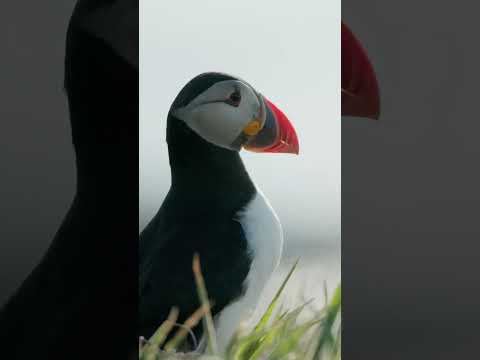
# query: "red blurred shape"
{"points": [[360, 94]]}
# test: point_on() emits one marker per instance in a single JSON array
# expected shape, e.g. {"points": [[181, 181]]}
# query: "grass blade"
{"points": [[209, 329], [150, 349], [183, 332], [263, 322], [326, 336]]}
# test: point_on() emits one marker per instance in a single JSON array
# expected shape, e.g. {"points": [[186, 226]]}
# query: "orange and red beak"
{"points": [[360, 98], [277, 135], [360, 94]]}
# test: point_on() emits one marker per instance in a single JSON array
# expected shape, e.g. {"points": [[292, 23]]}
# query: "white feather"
{"points": [[265, 240]]}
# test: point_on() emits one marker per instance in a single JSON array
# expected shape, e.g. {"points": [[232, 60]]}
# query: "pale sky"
{"points": [[290, 52]]}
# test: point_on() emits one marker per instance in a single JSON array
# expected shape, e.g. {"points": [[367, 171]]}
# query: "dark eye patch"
{"points": [[235, 98]]}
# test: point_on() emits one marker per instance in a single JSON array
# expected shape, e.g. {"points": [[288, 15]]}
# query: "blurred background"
{"points": [[37, 170], [410, 186], [289, 53]]}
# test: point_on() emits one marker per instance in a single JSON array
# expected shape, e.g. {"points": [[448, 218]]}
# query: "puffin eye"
{"points": [[235, 98]]}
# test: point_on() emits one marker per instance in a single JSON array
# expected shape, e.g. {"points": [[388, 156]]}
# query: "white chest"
{"points": [[265, 240]]}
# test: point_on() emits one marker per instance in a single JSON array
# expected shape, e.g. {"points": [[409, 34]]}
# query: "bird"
{"points": [[74, 304], [213, 207]]}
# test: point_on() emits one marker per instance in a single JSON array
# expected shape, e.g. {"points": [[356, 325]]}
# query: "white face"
{"points": [[227, 114]]}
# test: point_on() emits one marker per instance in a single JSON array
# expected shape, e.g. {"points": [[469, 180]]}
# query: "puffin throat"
{"points": [[200, 167]]}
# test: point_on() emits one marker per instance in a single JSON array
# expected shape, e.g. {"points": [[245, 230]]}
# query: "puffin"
{"points": [[79, 299], [213, 208]]}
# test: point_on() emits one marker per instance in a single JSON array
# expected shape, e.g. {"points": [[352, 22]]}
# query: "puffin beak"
{"points": [[277, 134], [360, 94]]}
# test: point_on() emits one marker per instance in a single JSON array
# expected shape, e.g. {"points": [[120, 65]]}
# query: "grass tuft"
{"points": [[278, 335]]}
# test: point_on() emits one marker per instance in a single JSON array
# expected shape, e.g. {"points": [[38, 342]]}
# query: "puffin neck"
{"points": [[204, 169]]}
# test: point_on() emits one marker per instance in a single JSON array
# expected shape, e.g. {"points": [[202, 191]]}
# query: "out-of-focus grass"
{"points": [[278, 335]]}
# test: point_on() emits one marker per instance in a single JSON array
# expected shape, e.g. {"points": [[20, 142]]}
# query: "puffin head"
{"points": [[101, 84], [101, 74], [229, 113]]}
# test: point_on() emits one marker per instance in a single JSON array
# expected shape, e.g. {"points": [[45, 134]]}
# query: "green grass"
{"points": [[278, 335]]}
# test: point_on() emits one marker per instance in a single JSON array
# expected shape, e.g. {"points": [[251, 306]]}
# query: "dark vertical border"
{"points": [[80, 300], [410, 187]]}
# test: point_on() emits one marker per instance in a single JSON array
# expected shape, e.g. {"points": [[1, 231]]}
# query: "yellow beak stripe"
{"points": [[252, 128]]}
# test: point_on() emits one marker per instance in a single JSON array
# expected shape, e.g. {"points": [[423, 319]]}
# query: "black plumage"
{"points": [[210, 185]]}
